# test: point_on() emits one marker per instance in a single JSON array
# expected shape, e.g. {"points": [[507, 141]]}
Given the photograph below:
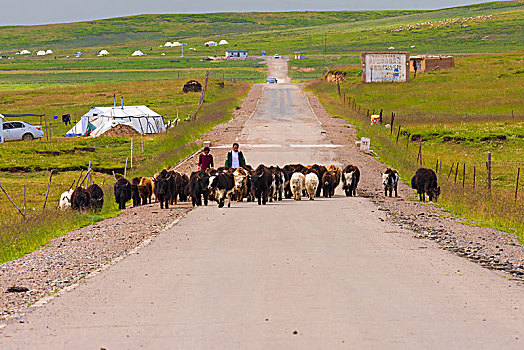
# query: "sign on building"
{"points": [[385, 67]]}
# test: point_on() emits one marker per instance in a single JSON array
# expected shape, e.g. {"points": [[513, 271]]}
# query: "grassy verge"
{"points": [[20, 236], [477, 128]]}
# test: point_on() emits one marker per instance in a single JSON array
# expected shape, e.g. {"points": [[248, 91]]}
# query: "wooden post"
{"points": [[47, 192], [420, 151], [392, 120], [440, 167], [90, 178], [338, 87], [85, 177], [12, 202], [456, 171], [78, 181], [474, 175], [381, 116], [451, 170], [131, 153], [398, 133], [407, 141], [436, 167], [464, 176], [125, 169], [142, 142], [25, 202], [517, 185], [488, 166]]}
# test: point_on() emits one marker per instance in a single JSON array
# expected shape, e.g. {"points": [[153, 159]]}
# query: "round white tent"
{"points": [[211, 43], [100, 119], [138, 53], [40, 53], [103, 53], [223, 42], [168, 44], [176, 43], [49, 52], [25, 52]]}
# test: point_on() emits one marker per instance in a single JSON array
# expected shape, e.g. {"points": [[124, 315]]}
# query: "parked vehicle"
{"points": [[272, 80], [276, 56], [19, 130]]}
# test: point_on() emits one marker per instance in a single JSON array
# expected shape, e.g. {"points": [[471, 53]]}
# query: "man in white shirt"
{"points": [[235, 158]]}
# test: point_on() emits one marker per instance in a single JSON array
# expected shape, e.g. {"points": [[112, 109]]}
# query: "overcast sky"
{"points": [[59, 11]]}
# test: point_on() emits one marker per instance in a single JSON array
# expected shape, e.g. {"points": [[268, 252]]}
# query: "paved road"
{"points": [[321, 274]]}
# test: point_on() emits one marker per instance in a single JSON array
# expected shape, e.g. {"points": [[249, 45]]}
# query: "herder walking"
{"points": [[235, 158]]}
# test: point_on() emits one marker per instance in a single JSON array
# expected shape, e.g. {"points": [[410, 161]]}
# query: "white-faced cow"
{"points": [[390, 182], [65, 200], [350, 179], [425, 181], [223, 184]]}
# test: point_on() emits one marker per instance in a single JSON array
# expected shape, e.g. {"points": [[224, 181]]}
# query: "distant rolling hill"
{"points": [[498, 29]]}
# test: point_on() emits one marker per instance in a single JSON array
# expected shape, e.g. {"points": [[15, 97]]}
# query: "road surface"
{"points": [[323, 274]]}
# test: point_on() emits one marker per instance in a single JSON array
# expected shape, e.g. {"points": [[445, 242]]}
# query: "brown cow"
{"points": [[145, 189]]}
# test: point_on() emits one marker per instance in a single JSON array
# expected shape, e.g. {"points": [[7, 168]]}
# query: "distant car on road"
{"points": [[276, 56], [21, 131], [272, 80]]}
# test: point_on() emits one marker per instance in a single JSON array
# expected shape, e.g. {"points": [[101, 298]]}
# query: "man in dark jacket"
{"points": [[235, 158], [205, 161]]}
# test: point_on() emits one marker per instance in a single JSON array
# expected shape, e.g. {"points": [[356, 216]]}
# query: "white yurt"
{"points": [[103, 53], [49, 52], [211, 43], [176, 43], [223, 42], [138, 53], [40, 53], [168, 44], [25, 52], [101, 119]]}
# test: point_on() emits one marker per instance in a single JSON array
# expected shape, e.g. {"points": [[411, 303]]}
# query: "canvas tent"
{"points": [[176, 44], [168, 44], [138, 53], [25, 52], [100, 119], [223, 42], [40, 53], [103, 53], [211, 43], [49, 52]]}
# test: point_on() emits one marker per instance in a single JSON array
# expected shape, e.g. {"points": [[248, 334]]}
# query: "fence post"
{"points": [[464, 176], [407, 141], [517, 186], [488, 166], [398, 133], [474, 175], [436, 167], [12, 202], [456, 171], [451, 169], [131, 153], [392, 120], [381, 116], [48, 186], [440, 167]]}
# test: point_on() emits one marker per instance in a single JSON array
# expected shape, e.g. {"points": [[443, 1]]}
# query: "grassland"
{"points": [[20, 236], [455, 116]]}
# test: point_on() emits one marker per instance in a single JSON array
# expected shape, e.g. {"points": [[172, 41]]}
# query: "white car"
{"points": [[276, 56], [21, 131]]}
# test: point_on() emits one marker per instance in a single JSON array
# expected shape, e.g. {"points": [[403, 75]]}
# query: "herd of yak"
{"points": [[263, 184]]}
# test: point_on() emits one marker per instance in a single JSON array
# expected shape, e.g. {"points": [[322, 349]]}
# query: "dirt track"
{"points": [[329, 273]]}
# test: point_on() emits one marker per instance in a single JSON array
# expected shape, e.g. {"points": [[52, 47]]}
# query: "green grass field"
{"points": [[18, 236], [457, 116]]}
